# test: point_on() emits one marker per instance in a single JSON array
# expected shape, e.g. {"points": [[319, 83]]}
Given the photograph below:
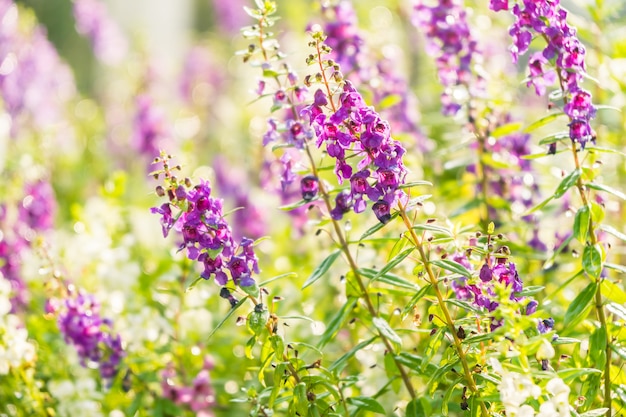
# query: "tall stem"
{"points": [[469, 378], [343, 244]]}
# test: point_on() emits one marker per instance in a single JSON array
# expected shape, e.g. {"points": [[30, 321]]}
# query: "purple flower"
{"points": [[453, 46], [93, 21], [207, 236], [382, 211], [343, 204], [149, 127], [547, 19], [199, 397], [82, 326], [309, 186]]}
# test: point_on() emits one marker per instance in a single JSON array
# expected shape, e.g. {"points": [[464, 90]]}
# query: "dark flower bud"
{"points": [[382, 211], [309, 186], [485, 273]]}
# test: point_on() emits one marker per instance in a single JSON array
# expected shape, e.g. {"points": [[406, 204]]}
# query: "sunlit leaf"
{"points": [[322, 268]]}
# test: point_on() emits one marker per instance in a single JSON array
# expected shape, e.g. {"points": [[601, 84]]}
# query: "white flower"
{"points": [[546, 351]]}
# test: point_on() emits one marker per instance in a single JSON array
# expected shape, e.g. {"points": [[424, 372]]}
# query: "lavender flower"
{"points": [[547, 19], [93, 21], [199, 397], [206, 234], [357, 130], [449, 40], [35, 85], [200, 76], [149, 127], [375, 74], [80, 323]]}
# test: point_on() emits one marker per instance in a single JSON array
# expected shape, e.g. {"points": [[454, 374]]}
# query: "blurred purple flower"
{"points": [[150, 129], [93, 21], [82, 326], [35, 85], [450, 41]]}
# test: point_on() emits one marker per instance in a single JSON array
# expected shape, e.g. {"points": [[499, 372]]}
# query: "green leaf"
{"points": [[542, 122], [594, 413], [393, 263], [322, 268], [377, 227], [506, 129], [479, 338], [452, 266], [337, 321], [415, 184], [555, 137], [605, 150], [386, 331], [548, 264], [418, 296], [464, 305], [613, 292], [389, 100], [570, 374], [367, 403], [281, 276], [579, 308], [538, 206], [434, 229], [415, 408], [592, 260], [295, 205], [568, 182], [613, 231], [230, 313], [300, 399], [619, 268], [565, 341], [339, 364], [617, 310], [446, 396], [389, 278], [530, 290], [193, 284], [597, 348], [581, 224], [606, 188]]}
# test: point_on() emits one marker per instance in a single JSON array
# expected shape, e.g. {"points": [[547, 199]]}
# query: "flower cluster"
{"points": [[199, 397], [547, 19], [93, 21], [34, 84], [355, 129], [376, 74], [149, 126], [517, 389], [35, 213], [451, 42], [80, 323], [15, 349], [206, 234]]}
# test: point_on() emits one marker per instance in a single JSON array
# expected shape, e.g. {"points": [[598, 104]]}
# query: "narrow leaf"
{"points": [[542, 122], [452, 266], [389, 278], [613, 231], [506, 129], [367, 403], [617, 310], [538, 206], [530, 290], [336, 322], [581, 224], [567, 183], [606, 188], [555, 137], [322, 268], [613, 292], [579, 308], [377, 227], [339, 364], [394, 262], [464, 305], [277, 277], [230, 313], [415, 408], [433, 228], [386, 331], [570, 374]]}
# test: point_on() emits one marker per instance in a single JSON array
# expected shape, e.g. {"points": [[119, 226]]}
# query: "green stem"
{"points": [[343, 244], [469, 378]]}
